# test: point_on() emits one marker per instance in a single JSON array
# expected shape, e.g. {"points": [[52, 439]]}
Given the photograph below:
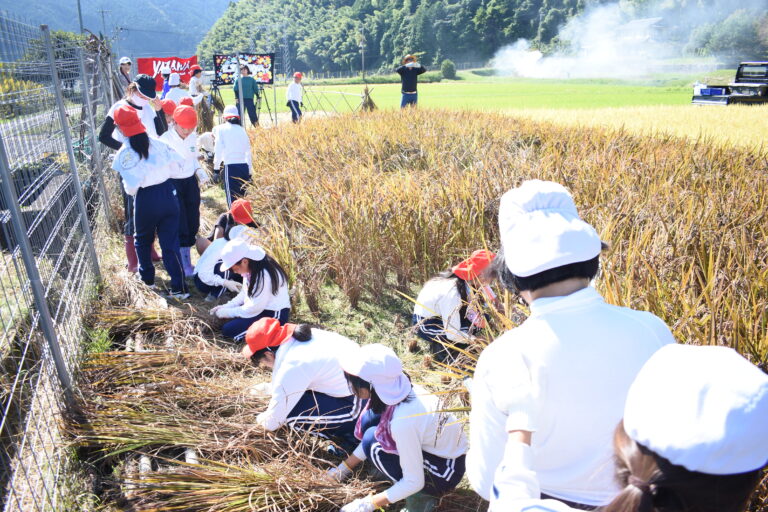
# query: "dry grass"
{"points": [[387, 199]]}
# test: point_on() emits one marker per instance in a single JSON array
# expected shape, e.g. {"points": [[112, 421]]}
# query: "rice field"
{"points": [[361, 210]]}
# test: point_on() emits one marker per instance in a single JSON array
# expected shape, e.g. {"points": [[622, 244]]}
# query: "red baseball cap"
{"points": [[194, 68], [187, 100], [266, 333], [185, 116], [168, 107], [242, 211], [298, 74], [127, 119], [473, 266]]}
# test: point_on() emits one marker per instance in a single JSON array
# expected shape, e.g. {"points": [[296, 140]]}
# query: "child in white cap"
{"points": [[559, 380], [694, 438], [233, 150], [402, 432]]}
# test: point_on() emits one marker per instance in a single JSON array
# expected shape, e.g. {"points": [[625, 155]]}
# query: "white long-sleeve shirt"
{"points": [[187, 148], [294, 92], [177, 94], [515, 486], [418, 426], [232, 145], [306, 366], [137, 172], [207, 262], [439, 297], [247, 306], [563, 375]]}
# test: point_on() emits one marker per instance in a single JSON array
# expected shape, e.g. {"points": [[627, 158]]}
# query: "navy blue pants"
{"points": [[188, 192], [250, 107], [216, 291], [295, 107], [327, 416], [156, 209], [235, 178], [431, 330], [440, 475], [237, 327], [409, 99]]}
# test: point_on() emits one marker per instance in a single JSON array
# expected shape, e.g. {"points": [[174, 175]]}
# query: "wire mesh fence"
{"points": [[54, 200]]}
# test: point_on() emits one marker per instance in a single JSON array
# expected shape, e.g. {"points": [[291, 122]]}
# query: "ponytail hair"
{"points": [[130, 90], [651, 483]]}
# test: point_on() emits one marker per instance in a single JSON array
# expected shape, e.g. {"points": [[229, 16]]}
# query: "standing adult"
{"points": [[403, 432], [183, 139], [196, 81], [146, 165], [250, 91], [124, 74], [141, 96], [294, 94], [409, 72], [233, 150], [558, 381], [165, 73]]}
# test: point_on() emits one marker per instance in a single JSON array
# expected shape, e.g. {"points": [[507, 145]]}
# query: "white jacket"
{"points": [[248, 306], [146, 115], [418, 426], [563, 374], [439, 297], [232, 145], [294, 92], [302, 366], [207, 262], [137, 172], [187, 148]]}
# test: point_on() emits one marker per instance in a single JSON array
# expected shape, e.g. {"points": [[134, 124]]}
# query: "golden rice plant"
{"points": [[389, 198]]}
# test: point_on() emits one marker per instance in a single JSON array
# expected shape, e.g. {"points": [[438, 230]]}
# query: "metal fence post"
{"points": [[98, 163], [70, 151], [38, 291]]}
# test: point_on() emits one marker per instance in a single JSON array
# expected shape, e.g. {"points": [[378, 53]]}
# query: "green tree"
{"points": [[448, 69]]}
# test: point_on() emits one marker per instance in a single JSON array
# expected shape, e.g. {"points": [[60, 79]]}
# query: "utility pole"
{"points": [[362, 49], [103, 22], [80, 16]]}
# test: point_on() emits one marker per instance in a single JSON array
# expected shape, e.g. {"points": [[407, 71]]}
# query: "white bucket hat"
{"points": [[125, 60], [230, 111], [703, 408], [540, 229], [174, 79], [380, 366], [236, 250]]}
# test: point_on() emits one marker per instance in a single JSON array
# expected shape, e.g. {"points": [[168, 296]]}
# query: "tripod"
{"points": [[266, 102], [215, 98]]}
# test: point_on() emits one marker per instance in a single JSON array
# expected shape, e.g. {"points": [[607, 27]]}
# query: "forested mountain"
{"points": [[149, 27], [326, 34]]}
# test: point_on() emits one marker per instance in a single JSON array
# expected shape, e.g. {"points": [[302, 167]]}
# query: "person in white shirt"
{"points": [[209, 278], [176, 93], [146, 166], [294, 96], [182, 137], [140, 95], [124, 73], [196, 81], [403, 432], [694, 438], [264, 293], [446, 313], [232, 148], [308, 390], [558, 381]]}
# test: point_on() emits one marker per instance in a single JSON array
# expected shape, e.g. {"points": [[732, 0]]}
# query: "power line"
{"points": [[129, 29]]}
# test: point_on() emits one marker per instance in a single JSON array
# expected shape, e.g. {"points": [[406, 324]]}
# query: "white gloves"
{"points": [[360, 505], [262, 390], [232, 286], [223, 312], [339, 473]]}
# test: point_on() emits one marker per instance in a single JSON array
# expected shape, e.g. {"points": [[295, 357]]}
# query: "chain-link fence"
{"points": [[53, 203]]}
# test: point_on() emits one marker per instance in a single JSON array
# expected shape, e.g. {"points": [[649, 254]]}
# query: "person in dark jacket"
{"points": [[250, 92], [409, 72]]}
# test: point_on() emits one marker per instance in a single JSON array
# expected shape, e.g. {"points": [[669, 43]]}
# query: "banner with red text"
{"points": [[151, 66]]}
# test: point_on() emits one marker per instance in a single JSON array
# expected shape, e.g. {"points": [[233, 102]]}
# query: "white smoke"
{"points": [[605, 41]]}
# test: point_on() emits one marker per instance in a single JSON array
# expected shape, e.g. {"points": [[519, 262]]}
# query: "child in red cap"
{"points": [[183, 138], [445, 314]]}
